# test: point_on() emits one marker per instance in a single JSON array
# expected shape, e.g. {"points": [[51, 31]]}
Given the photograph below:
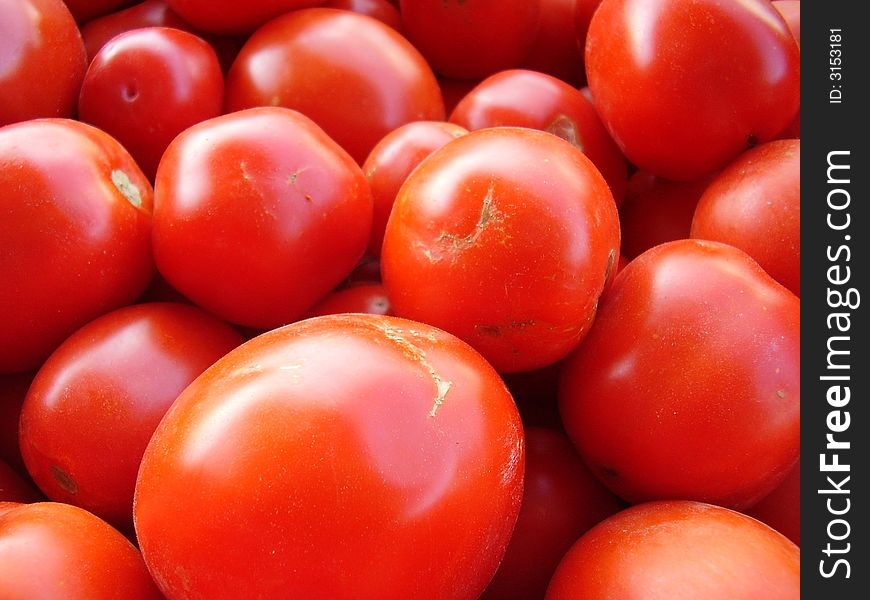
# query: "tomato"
{"points": [[392, 160], [14, 488], [13, 389], [381, 10], [85, 10], [52, 550], [365, 298], [791, 12], [781, 509], [354, 76], [755, 205], [523, 98], [657, 210], [681, 551], [556, 49], [562, 499], [146, 86], [257, 214], [503, 237], [348, 456], [75, 237], [679, 106], [233, 17], [688, 384], [107, 386], [469, 40], [42, 60]]}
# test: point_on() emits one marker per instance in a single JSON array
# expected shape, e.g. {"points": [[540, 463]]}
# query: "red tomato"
{"points": [[522, 98], [688, 384], [351, 456], [657, 210], [679, 106], [392, 160], [42, 60], [755, 205], [365, 298], [381, 10], [681, 551], [469, 40], [504, 237], [146, 86], [75, 237], [52, 550], [781, 509], [258, 214], [354, 76], [562, 499], [85, 10], [791, 12], [107, 386], [232, 16], [556, 49]]}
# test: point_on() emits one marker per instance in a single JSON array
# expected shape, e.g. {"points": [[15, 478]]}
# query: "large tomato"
{"points": [[354, 76], [504, 237], [686, 85], [75, 236], [233, 16], [688, 384], [347, 456], [257, 214], [42, 60], [679, 550]]}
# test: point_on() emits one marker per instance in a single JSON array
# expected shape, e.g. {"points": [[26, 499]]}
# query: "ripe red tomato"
{"points": [[146, 86], [75, 237], [258, 214], [562, 499], [755, 205], [368, 298], [42, 60], [232, 16], [504, 237], [688, 384], [679, 105], [556, 49], [150, 13], [381, 10], [681, 551], [85, 10], [348, 456], [392, 160], [52, 550], [354, 76], [781, 509], [523, 98], [469, 40], [107, 386]]}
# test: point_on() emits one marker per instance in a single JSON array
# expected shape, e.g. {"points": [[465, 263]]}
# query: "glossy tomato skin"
{"points": [[43, 60], [523, 98], [85, 10], [233, 17], [53, 550], [679, 550], [562, 499], [678, 116], [150, 13], [258, 214], [368, 298], [75, 239], [348, 456], [107, 386], [146, 86], [688, 384], [392, 160], [556, 49], [505, 238], [382, 10], [781, 509], [353, 75], [469, 40], [754, 204]]}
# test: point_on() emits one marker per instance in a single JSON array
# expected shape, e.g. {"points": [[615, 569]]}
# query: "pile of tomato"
{"points": [[371, 299]]}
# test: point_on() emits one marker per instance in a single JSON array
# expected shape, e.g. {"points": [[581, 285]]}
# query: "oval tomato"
{"points": [[368, 298], [352, 456], [75, 237], [688, 384]]}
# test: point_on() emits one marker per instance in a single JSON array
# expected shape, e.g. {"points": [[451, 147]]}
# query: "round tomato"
{"points": [[505, 238], [232, 16], [364, 298], [681, 551], [347, 456], [107, 386], [146, 86], [257, 214], [755, 205], [688, 384], [42, 60], [52, 550], [679, 104], [781, 509], [354, 76], [75, 237], [150, 13], [556, 49], [85, 10], [381, 10]]}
